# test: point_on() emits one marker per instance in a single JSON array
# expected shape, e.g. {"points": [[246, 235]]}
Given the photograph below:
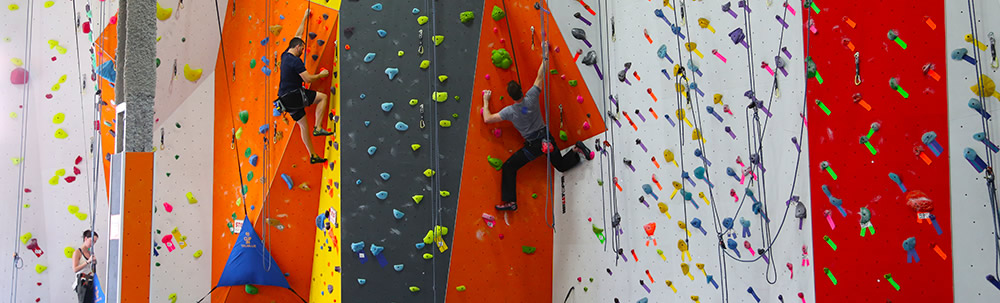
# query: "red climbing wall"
{"points": [[291, 211], [488, 266], [859, 263]]}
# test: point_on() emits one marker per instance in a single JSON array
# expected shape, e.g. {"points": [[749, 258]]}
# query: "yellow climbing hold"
{"points": [[16, 160], [12, 7], [441, 96], [428, 256], [429, 237], [442, 78], [25, 237], [73, 209], [191, 198], [17, 61], [415, 147], [81, 216], [239, 133], [172, 297], [445, 193], [40, 268], [54, 180], [275, 29], [68, 251], [197, 254], [163, 13], [438, 39], [61, 134], [58, 118], [422, 20], [425, 64], [400, 53], [460, 288], [445, 123], [61, 172], [49, 4], [418, 198], [191, 74], [13, 115], [441, 230], [56, 87], [414, 289], [989, 88], [429, 172]]}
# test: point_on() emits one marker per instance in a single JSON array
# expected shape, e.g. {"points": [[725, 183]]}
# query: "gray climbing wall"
{"points": [[366, 217]]}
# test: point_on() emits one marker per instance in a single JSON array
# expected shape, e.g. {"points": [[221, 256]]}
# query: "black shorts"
{"points": [[294, 103]]}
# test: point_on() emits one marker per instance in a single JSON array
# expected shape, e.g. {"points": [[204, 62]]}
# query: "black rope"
{"points": [[511, 37], [222, 48]]}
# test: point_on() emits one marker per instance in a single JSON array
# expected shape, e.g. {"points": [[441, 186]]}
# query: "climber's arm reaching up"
{"points": [[489, 117], [542, 68], [302, 26]]}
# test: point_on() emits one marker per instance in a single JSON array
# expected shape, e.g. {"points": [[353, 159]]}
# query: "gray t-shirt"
{"points": [[525, 115]]}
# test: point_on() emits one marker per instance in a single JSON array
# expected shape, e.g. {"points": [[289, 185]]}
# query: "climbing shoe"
{"points": [[321, 132], [313, 159], [587, 153], [507, 206]]}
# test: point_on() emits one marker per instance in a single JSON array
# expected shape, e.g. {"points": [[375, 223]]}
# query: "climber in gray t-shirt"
{"points": [[527, 119]]}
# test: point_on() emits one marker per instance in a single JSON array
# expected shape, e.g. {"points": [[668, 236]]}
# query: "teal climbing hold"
{"points": [[376, 250], [400, 126], [363, 96], [382, 195], [398, 214], [398, 267], [391, 72], [385, 176], [377, 7], [362, 281], [416, 11], [371, 150], [369, 57], [386, 107], [367, 123], [288, 180], [420, 245], [253, 160], [358, 246], [381, 33]]}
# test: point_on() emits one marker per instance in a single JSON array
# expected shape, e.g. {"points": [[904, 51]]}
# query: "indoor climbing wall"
{"points": [[875, 125], [626, 232], [407, 89], [974, 217], [48, 110], [282, 189]]}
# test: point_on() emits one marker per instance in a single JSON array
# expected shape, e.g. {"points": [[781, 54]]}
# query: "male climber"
{"points": [[295, 98], [527, 119]]}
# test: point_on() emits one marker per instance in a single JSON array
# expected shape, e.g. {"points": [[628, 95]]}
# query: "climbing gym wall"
{"points": [[973, 215], [47, 132], [407, 87], [696, 105]]}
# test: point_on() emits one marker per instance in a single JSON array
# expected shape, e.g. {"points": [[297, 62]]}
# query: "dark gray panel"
{"points": [[365, 217]]}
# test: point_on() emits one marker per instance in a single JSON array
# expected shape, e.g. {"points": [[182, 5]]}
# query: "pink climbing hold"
{"points": [[53, 58], [579, 99], [48, 96], [113, 20], [167, 207], [70, 179], [495, 30], [19, 76], [86, 27], [78, 160], [497, 132], [502, 41], [76, 170], [586, 125], [487, 76], [556, 49]]}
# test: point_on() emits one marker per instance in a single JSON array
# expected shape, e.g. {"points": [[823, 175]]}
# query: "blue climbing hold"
{"points": [[643, 300], [367, 123], [371, 150], [282, 17], [377, 7], [391, 72], [376, 250], [264, 128], [319, 221], [253, 160], [386, 107], [400, 126], [382, 195], [398, 267], [420, 245], [276, 112], [358, 246], [358, 182], [385, 176], [662, 52], [369, 57], [265, 70], [416, 10], [363, 96], [288, 180], [362, 281], [398, 214], [265, 60], [264, 42], [381, 33]]}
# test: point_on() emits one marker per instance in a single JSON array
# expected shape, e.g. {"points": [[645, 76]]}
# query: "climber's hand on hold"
{"points": [[323, 73], [486, 97], [488, 117]]}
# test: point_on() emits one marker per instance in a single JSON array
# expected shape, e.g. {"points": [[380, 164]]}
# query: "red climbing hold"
{"points": [[48, 96], [70, 179], [86, 27], [53, 58], [76, 170], [78, 160], [19, 76]]}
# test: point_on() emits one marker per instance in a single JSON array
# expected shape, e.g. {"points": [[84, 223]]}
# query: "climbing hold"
{"points": [[382, 195], [288, 180], [572, 83], [414, 289], [397, 214], [386, 107], [440, 96], [438, 40], [466, 16], [400, 126], [18, 76], [428, 256], [190, 198], [384, 176], [413, 102], [192, 74], [422, 20], [58, 118], [445, 193], [250, 289], [414, 147], [563, 136], [420, 245], [399, 53], [68, 252], [391, 72], [244, 116], [381, 33], [167, 207], [398, 267], [81, 216], [494, 162], [40, 268], [460, 288], [369, 57], [416, 11], [418, 198], [61, 134], [239, 133], [371, 150], [362, 281], [275, 29], [528, 249], [163, 13], [534, 196], [73, 209], [376, 250], [367, 123], [445, 123], [429, 172], [13, 7], [498, 13], [377, 7], [264, 128], [358, 246], [442, 78], [501, 58], [423, 65]]}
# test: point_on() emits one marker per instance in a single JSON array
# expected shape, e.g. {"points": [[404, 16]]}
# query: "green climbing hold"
{"points": [[414, 147], [253, 63], [494, 162], [528, 249], [168, 174], [445, 123], [157, 264], [454, 116], [438, 40], [534, 196], [418, 198], [250, 176], [177, 157], [442, 78], [600, 182], [553, 71], [572, 83], [467, 16], [250, 289], [441, 96], [247, 152], [584, 289], [501, 58], [157, 62], [413, 102], [498, 13], [456, 98], [425, 64], [563, 136], [244, 116], [178, 124], [429, 172], [445, 193], [422, 20], [184, 39], [460, 288]]}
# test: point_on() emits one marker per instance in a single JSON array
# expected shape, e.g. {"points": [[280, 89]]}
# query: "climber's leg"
{"points": [[508, 185], [304, 127], [321, 111]]}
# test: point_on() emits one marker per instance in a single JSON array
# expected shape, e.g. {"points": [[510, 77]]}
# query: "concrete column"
{"points": [[137, 71]]}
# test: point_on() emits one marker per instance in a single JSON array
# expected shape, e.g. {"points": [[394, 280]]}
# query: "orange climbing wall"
{"points": [[488, 266], [137, 212], [242, 85], [105, 46]]}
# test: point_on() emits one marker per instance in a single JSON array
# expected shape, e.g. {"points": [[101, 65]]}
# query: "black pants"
{"points": [[85, 290], [531, 151]]}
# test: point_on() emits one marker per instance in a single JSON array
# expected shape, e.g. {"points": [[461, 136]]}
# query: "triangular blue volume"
{"points": [[246, 262]]}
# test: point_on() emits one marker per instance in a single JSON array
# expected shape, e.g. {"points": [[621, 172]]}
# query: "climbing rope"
{"points": [[513, 54], [616, 214], [549, 176], [435, 149], [17, 263]]}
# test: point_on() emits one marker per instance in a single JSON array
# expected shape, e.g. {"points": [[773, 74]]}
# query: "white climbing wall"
{"points": [[578, 253], [185, 111], [974, 237], [47, 218]]}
